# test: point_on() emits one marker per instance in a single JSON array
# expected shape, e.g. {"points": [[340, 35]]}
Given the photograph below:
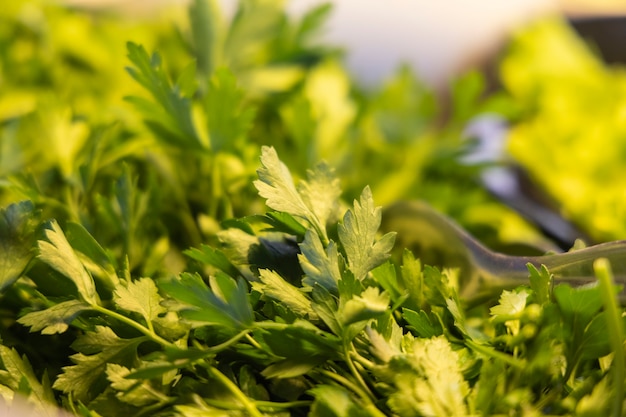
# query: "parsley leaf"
{"points": [[55, 319], [433, 383], [273, 286], [321, 192], [97, 349], [224, 303], [20, 377], [509, 309], [320, 265], [358, 232], [17, 239], [313, 201], [140, 296], [58, 253]]}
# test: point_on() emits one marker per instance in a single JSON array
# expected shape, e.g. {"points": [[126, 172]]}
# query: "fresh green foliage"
{"points": [[572, 105], [17, 236], [173, 243], [355, 334]]}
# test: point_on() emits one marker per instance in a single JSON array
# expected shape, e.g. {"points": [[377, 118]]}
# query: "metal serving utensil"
{"points": [[439, 241]]}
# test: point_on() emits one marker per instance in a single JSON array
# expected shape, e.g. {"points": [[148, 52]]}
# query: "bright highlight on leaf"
{"points": [[274, 287], [97, 351], [314, 201], [320, 265], [55, 319], [58, 253], [140, 296], [358, 232]]}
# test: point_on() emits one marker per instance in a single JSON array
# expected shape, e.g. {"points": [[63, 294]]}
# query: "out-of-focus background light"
{"points": [[437, 39]]}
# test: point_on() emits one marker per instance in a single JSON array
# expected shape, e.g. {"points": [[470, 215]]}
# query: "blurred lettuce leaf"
{"points": [[572, 136]]}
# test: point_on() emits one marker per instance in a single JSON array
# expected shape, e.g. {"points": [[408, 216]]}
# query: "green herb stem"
{"points": [[348, 349], [229, 342], [132, 323], [270, 405], [363, 361], [248, 405], [488, 351], [602, 269], [370, 406]]}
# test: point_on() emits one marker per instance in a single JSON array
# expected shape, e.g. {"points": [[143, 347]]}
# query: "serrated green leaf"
{"points": [[17, 241], [58, 253], [276, 185], [213, 257], [84, 379], [55, 319], [237, 245], [433, 385], [357, 234], [286, 223], [23, 379], [510, 304], [273, 286], [320, 265], [385, 275], [95, 257], [423, 325], [540, 282], [321, 192], [385, 346], [225, 303], [509, 308], [412, 279], [325, 306], [131, 391], [370, 304], [580, 303], [140, 296], [300, 339]]}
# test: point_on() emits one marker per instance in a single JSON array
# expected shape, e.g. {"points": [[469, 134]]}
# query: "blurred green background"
{"points": [[88, 140]]}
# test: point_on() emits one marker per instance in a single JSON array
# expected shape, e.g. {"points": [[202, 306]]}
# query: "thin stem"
{"points": [[247, 404], [132, 323], [345, 382], [265, 405], [369, 406], [348, 348], [269, 405], [363, 361], [253, 342], [602, 269]]}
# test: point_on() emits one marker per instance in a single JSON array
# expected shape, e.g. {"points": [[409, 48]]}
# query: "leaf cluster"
{"points": [[153, 267]]}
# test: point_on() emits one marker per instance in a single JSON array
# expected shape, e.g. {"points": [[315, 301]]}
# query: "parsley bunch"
{"points": [[158, 258], [301, 312]]}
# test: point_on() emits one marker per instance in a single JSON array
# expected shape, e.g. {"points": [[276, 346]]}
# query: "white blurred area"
{"points": [[438, 39]]}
